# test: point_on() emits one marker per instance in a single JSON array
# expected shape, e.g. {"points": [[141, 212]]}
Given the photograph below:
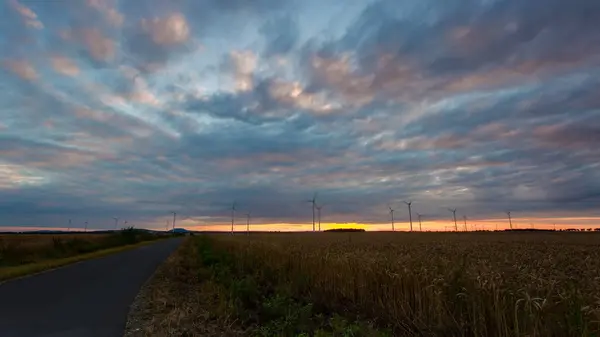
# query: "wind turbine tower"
{"points": [[465, 218], [319, 207], [313, 202], [232, 216], [392, 214], [509, 219], [454, 213], [420, 216], [248, 223], [409, 203], [116, 223], [174, 216]]}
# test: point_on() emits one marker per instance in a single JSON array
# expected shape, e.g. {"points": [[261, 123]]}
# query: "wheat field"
{"points": [[435, 284]]}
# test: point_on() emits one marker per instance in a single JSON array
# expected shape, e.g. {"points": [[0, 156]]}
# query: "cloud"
{"points": [[107, 8], [167, 31], [29, 17], [98, 46], [65, 66], [154, 40], [243, 65], [21, 68], [483, 106]]}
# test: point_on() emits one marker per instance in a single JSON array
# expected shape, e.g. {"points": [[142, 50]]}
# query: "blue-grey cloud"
{"points": [[114, 109]]}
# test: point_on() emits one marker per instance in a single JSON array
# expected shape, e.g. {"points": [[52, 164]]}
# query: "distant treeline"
{"points": [[345, 230]]}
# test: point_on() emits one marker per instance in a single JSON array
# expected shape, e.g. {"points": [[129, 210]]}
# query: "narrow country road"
{"points": [[90, 298]]}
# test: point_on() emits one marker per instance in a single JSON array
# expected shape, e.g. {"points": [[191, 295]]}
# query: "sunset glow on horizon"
{"points": [[138, 109]]}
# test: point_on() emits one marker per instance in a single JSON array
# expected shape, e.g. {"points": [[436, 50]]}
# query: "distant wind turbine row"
{"points": [[316, 217]]}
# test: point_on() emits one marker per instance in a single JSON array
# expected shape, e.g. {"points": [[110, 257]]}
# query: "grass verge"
{"points": [[198, 292], [267, 308], [179, 300], [7, 273]]}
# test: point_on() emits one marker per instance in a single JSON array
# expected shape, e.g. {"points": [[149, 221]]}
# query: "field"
{"points": [[388, 284], [24, 249]]}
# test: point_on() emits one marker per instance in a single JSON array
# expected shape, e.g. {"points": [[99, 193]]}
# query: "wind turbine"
{"points": [[454, 213], [420, 216], [69, 229], [86, 223], [409, 203], [509, 220], [116, 223], [313, 201], [465, 218], [248, 223], [392, 213], [174, 216], [232, 216], [319, 207]]}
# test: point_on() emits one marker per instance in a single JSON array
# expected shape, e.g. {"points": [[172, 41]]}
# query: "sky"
{"points": [[136, 109]]}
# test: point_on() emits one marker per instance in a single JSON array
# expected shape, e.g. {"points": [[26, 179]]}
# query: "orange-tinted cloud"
{"points": [[22, 69], [65, 66], [28, 16], [107, 8], [167, 31], [293, 93], [100, 47], [243, 66], [142, 94]]}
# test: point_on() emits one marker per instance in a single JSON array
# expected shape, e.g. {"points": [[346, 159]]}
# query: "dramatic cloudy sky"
{"points": [[133, 109]]}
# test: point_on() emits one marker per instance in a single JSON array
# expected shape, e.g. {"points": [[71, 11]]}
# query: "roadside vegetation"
{"points": [[22, 254], [380, 284]]}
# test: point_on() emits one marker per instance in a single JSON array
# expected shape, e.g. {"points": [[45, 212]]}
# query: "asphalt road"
{"points": [[90, 298]]}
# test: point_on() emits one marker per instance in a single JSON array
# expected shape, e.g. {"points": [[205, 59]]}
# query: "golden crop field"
{"points": [[18, 249], [22, 249], [434, 284], [41, 240]]}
